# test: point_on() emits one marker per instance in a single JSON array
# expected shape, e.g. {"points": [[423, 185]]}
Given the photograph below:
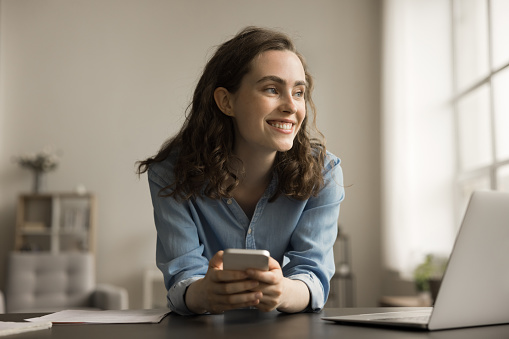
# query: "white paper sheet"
{"points": [[104, 317], [8, 328]]}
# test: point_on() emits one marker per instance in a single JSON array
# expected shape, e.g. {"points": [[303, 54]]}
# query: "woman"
{"points": [[244, 172]]}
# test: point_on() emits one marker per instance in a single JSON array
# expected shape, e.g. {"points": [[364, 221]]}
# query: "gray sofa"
{"points": [[46, 282]]}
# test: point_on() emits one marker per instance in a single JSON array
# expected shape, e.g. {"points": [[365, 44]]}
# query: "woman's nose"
{"points": [[289, 105]]}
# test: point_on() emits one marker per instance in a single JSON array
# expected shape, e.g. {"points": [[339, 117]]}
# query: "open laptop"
{"points": [[475, 286]]}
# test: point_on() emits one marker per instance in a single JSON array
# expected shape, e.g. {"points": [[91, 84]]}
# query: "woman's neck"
{"points": [[254, 181], [257, 168]]}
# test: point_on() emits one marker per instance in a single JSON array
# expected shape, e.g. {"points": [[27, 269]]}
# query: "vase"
{"points": [[38, 178]]}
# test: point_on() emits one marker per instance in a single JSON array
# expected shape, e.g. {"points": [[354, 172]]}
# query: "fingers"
{"points": [[271, 285], [273, 276], [216, 262], [217, 273], [267, 305], [273, 264], [271, 295], [234, 287], [215, 297], [228, 289], [231, 289], [228, 296], [264, 277], [234, 301]]}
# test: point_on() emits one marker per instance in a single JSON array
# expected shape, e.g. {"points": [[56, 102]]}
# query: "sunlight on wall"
{"points": [[417, 133]]}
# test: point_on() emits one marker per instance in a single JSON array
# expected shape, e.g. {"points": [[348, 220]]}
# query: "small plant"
{"points": [[432, 268], [44, 161], [39, 163]]}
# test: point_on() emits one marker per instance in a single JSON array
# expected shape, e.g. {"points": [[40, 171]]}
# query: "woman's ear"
{"points": [[223, 101]]}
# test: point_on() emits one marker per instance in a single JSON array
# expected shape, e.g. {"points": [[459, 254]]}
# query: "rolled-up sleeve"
{"points": [[179, 253], [311, 258]]}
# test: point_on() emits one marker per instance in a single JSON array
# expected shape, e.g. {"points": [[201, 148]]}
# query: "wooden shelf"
{"points": [[55, 222]]}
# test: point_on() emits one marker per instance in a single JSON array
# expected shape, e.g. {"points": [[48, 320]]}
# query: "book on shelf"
{"points": [[74, 219], [34, 227]]}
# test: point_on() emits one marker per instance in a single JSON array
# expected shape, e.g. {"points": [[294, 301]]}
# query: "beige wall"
{"points": [[106, 81]]}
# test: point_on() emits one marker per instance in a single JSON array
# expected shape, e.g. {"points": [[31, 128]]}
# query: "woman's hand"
{"points": [[285, 294], [222, 290]]}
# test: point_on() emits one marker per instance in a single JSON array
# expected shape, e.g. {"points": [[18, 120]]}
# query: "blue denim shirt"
{"points": [[298, 234]]}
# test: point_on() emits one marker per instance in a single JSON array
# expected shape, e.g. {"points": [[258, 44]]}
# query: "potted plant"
{"points": [[39, 163], [428, 275]]}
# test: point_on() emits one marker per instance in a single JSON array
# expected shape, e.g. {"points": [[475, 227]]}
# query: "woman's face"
{"points": [[269, 106]]}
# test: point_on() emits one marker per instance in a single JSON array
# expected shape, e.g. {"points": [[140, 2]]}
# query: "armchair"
{"points": [[47, 282]]}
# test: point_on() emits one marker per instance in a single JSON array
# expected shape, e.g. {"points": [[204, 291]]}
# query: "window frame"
{"points": [[464, 176]]}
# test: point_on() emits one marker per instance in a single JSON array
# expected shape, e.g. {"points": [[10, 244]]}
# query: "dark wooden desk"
{"points": [[245, 324]]}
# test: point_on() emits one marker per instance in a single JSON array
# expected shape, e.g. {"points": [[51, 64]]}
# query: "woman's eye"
{"points": [[299, 94], [271, 90]]}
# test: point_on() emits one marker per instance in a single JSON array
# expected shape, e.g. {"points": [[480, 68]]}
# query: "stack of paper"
{"points": [[8, 328], [104, 317]]}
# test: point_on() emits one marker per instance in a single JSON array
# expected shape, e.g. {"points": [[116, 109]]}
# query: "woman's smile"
{"points": [[285, 127]]}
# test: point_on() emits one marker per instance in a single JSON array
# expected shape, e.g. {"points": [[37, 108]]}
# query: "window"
{"points": [[418, 152], [481, 104], [445, 120]]}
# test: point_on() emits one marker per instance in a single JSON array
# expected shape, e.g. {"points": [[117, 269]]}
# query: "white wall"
{"points": [[107, 81]]}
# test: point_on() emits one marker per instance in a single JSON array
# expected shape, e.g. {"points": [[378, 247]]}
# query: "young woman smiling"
{"points": [[245, 172]]}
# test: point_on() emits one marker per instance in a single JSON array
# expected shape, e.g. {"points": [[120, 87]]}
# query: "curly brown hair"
{"points": [[206, 164]]}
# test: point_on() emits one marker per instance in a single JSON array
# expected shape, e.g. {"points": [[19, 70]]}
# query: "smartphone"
{"points": [[242, 259]]}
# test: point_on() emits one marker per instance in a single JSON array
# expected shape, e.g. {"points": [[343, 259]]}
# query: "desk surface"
{"points": [[247, 324]]}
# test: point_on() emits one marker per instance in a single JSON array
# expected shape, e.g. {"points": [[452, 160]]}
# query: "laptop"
{"points": [[475, 286]]}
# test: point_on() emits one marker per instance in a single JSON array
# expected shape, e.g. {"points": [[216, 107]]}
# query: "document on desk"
{"points": [[104, 317], [8, 327]]}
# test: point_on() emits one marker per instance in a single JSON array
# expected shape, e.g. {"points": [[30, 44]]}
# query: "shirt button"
{"points": [[229, 201], [249, 231]]}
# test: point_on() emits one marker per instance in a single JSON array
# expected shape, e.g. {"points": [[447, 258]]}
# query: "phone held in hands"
{"points": [[243, 259]]}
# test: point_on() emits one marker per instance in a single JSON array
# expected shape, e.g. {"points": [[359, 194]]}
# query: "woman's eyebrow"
{"points": [[281, 81]]}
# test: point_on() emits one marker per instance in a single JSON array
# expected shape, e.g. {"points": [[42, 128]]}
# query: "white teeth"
{"points": [[286, 126]]}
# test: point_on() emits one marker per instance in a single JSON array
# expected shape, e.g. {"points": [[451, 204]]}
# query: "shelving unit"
{"points": [[56, 222]]}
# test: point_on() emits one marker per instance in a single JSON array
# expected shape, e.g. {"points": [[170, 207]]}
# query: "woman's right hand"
{"points": [[221, 290]]}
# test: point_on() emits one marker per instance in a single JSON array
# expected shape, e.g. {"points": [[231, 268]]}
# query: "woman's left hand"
{"points": [[279, 292]]}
